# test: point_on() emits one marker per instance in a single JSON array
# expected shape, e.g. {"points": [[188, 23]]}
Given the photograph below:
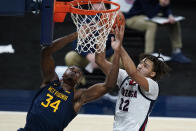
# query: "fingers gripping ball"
{"points": [[120, 20]]}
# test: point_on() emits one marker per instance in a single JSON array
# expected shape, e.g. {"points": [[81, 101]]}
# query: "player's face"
{"points": [[72, 75], [145, 67]]}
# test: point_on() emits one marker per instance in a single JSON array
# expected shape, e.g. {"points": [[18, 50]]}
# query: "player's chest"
{"points": [[53, 101], [129, 88]]}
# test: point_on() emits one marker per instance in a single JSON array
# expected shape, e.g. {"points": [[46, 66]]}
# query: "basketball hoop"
{"points": [[93, 23]]}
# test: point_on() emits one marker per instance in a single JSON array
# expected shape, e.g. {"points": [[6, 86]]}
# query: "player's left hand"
{"points": [[117, 41]]}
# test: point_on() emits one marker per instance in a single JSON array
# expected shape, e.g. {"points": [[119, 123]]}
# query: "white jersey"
{"points": [[133, 105]]}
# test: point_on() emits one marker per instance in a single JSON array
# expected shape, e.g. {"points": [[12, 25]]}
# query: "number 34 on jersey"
{"points": [[48, 103]]}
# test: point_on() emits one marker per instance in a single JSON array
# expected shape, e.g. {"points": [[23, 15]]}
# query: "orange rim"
{"points": [[65, 7]]}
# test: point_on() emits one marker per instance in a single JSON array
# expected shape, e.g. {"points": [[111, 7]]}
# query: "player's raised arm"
{"points": [[47, 61], [103, 64], [98, 90], [100, 59], [131, 69]]}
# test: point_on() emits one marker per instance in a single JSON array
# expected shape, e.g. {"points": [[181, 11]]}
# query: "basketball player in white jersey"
{"points": [[138, 88]]}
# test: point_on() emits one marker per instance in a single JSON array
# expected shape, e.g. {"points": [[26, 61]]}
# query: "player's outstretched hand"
{"points": [[117, 41]]}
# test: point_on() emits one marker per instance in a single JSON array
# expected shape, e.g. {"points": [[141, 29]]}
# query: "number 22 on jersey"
{"points": [[54, 105]]}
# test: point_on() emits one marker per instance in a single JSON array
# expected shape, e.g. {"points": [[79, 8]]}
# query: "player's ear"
{"points": [[152, 74]]}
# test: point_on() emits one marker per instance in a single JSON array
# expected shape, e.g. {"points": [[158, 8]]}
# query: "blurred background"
{"points": [[20, 74]]}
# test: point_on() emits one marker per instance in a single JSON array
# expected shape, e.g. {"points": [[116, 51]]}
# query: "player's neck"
{"points": [[66, 86]]}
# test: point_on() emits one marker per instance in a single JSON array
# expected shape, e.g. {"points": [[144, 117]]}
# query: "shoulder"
{"points": [[122, 72], [78, 94], [78, 98], [151, 82], [153, 89], [52, 83], [122, 75], [153, 86], [153, 92]]}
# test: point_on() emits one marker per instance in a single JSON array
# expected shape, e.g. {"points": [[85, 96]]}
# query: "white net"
{"points": [[93, 30]]}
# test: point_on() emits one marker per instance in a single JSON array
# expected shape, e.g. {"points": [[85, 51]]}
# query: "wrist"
{"points": [[122, 51], [118, 50]]}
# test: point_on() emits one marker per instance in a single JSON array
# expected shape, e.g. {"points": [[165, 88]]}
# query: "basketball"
{"points": [[120, 20]]}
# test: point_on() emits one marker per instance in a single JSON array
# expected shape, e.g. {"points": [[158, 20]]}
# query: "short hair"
{"points": [[159, 66]]}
